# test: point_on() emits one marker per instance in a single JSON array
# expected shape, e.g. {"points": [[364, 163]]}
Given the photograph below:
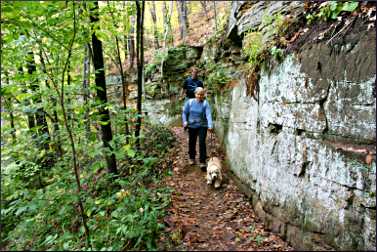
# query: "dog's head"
{"points": [[214, 174], [214, 168]]}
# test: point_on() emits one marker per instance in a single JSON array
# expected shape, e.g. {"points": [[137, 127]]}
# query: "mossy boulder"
{"points": [[152, 89], [178, 60]]}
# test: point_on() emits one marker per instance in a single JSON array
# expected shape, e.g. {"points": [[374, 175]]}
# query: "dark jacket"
{"points": [[190, 85]]}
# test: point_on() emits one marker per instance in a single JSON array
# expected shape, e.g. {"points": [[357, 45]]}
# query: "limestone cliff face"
{"points": [[300, 145]]}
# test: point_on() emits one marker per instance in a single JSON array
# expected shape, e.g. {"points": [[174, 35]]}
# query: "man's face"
{"points": [[194, 73]]}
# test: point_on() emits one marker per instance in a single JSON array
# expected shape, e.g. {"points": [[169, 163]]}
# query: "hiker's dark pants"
{"points": [[193, 135]]}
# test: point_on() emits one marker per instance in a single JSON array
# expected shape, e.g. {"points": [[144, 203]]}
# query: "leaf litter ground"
{"points": [[203, 218]]}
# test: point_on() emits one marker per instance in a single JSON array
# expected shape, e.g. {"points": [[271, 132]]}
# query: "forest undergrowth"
{"points": [[40, 211]]}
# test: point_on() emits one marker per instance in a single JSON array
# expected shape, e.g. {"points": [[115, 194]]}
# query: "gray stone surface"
{"points": [[253, 17], [351, 110], [315, 195], [232, 22], [158, 112]]}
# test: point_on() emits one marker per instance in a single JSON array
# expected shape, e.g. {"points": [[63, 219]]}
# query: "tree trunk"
{"points": [[13, 128], [140, 62], [69, 110], [165, 19], [154, 19], [168, 38], [131, 42], [215, 12], [171, 37], [182, 19], [54, 119], [8, 104], [40, 115], [101, 92], [120, 67], [69, 131], [186, 12], [85, 87], [125, 31], [204, 7], [30, 116]]}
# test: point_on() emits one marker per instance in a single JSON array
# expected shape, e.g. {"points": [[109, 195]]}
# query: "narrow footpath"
{"points": [[203, 218]]}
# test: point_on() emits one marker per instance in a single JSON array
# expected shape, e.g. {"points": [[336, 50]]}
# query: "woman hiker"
{"points": [[196, 116]]}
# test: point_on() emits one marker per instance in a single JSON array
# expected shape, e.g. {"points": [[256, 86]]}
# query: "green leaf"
{"points": [[350, 6], [335, 14], [21, 210], [103, 122], [333, 5], [150, 161], [23, 96], [130, 152]]}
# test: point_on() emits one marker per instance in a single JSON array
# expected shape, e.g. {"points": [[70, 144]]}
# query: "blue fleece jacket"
{"points": [[197, 114]]}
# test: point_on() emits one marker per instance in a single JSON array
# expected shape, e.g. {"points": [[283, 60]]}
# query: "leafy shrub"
{"points": [[149, 69], [157, 139], [331, 10], [277, 53], [217, 77], [253, 46], [274, 24], [122, 212]]}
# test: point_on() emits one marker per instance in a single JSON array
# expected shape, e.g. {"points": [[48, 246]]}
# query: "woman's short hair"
{"points": [[199, 90]]}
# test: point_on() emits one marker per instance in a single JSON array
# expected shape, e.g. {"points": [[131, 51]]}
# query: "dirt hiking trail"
{"points": [[203, 218]]}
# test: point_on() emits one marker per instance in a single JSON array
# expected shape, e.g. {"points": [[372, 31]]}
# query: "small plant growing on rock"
{"points": [[257, 54], [252, 47], [277, 53], [331, 10], [217, 77]]}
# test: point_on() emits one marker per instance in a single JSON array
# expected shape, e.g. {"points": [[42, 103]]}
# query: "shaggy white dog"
{"points": [[214, 172]]}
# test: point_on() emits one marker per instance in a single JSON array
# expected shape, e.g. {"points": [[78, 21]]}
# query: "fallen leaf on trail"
{"points": [[203, 219], [229, 236]]}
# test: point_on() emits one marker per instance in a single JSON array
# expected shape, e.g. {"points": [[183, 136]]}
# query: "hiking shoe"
{"points": [[192, 161], [203, 166]]}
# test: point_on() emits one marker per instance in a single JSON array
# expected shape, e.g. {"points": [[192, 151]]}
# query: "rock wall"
{"points": [[300, 147], [162, 111]]}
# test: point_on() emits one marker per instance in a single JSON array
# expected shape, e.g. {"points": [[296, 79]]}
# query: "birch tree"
{"points": [[204, 7], [168, 38], [215, 12], [182, 18], [155, 30], [131, 42]]}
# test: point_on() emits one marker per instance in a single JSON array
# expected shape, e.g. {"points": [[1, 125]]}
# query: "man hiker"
{"points": [[191, 83]]}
